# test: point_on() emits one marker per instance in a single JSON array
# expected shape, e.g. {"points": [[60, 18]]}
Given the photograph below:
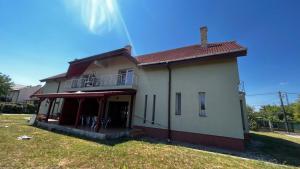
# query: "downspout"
{"points": [[169, 102]]}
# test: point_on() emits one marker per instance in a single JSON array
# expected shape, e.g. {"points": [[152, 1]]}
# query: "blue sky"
{"points": [[38, 38]]}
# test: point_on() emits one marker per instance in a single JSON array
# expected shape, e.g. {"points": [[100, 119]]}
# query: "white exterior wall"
{"points": [[218, 79], [152, 81], [220, 82], [110, 66], [245, 113], [49, 87]]}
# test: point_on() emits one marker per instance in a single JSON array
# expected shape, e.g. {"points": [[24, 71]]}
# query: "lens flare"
{"points": [[99, 16]]}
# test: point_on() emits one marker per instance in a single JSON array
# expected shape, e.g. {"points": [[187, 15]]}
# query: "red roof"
{"points": [[190, 52], [58, 76], [213, 51], [77, 67]]}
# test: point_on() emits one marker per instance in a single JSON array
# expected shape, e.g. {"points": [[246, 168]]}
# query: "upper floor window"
{"points": [[125, 77], [202, 106], [74, 83]]}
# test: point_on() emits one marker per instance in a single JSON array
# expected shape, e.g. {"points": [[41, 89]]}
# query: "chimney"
{"points": [[128, 47], [203, 31]]}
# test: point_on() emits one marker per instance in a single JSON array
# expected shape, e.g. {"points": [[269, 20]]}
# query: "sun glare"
{"points": [[99, 16]]}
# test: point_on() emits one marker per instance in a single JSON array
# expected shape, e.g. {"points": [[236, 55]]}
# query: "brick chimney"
{"points": [[128, 47], [203, 31]]}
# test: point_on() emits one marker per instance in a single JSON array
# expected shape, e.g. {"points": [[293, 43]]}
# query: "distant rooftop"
{"points": [[17, 87]]}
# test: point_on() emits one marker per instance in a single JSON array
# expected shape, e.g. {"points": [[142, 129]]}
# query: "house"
{"points": [[21, 93], [188, 94]]}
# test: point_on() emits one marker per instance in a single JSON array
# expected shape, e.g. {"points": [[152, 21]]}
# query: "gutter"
{"points": [[169, 101]]}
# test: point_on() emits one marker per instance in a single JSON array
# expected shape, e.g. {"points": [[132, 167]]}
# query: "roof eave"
{"points": [[235, 53]]}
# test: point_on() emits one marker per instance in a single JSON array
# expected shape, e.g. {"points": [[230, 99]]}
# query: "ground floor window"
{"points": [[145, 108], [202, 107], [178, 104], [153, 109]]}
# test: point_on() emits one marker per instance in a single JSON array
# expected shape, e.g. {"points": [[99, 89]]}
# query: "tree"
{"points": [[5, 84], [296, 107], [252, 116], [271, 112]]}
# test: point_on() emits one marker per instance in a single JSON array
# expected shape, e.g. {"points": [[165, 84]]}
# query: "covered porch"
{"points": [[104, 112]]}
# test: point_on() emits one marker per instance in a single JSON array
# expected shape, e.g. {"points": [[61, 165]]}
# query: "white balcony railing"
{"points": [[92, 81]]}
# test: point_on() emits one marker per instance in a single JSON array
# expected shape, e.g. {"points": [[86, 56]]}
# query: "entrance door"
{"points": [[117, 112]]}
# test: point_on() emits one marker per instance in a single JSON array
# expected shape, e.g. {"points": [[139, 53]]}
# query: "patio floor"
{"points": [[103, 134]]}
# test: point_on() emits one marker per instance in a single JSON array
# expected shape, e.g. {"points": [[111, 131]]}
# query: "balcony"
{"points": [[102, 82]]}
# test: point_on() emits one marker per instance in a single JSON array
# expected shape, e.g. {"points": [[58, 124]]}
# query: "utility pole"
{"points": [[287, 99], [284, 112]]}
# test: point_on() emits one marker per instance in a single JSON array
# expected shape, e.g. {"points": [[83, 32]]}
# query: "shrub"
{"points": [[11, 108], [29, 109], [14, 108]]}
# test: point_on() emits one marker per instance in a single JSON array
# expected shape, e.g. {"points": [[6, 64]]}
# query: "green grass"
{"points": [[53, 150], [285, 149]]}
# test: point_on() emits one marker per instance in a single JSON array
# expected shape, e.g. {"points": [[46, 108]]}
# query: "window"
{"points": [[121, 77], [153, 109], [145, 110], [178, 104], [74, 83], [125, 77], [202, 108]]}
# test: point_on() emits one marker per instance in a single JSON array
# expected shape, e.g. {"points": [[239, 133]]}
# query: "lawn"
{"points": [[53, 150], [285, 149]]}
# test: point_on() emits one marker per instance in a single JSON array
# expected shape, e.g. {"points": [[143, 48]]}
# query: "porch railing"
{"points": [[90, 81]]}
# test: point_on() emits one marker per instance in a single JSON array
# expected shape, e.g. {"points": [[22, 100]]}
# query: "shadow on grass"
{"points": [[108, 142], [281, 150], [260, 147]]}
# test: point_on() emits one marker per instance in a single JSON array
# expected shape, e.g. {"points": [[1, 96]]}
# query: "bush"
{"points": [[14, 108], [30, 109], [253, 125]]}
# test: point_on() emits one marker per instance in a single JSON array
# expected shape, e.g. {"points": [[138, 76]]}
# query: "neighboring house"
{"points": [[14, 93], [21, 93], [187, 94]]}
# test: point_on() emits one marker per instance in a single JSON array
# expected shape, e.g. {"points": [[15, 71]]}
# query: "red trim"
{"points": [[81, 94], [247, 136], [77, 69], [196, 138]]}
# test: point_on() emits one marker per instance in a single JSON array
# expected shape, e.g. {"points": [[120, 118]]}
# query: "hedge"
{"points": [[14, 108]]}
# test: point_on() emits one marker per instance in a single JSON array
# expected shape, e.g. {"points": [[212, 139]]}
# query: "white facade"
{"points": [[218, 79]]}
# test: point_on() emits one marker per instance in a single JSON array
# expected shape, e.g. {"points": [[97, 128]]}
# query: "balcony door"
{"points": [[125, 77]]}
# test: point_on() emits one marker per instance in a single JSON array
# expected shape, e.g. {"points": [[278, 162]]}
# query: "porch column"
{"points": [[131, 110], [49, 108], [78, 111], [38, 108], [100, 105]]}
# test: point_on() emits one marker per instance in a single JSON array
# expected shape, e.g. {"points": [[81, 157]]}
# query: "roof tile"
{"points": [[190, 51]]}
